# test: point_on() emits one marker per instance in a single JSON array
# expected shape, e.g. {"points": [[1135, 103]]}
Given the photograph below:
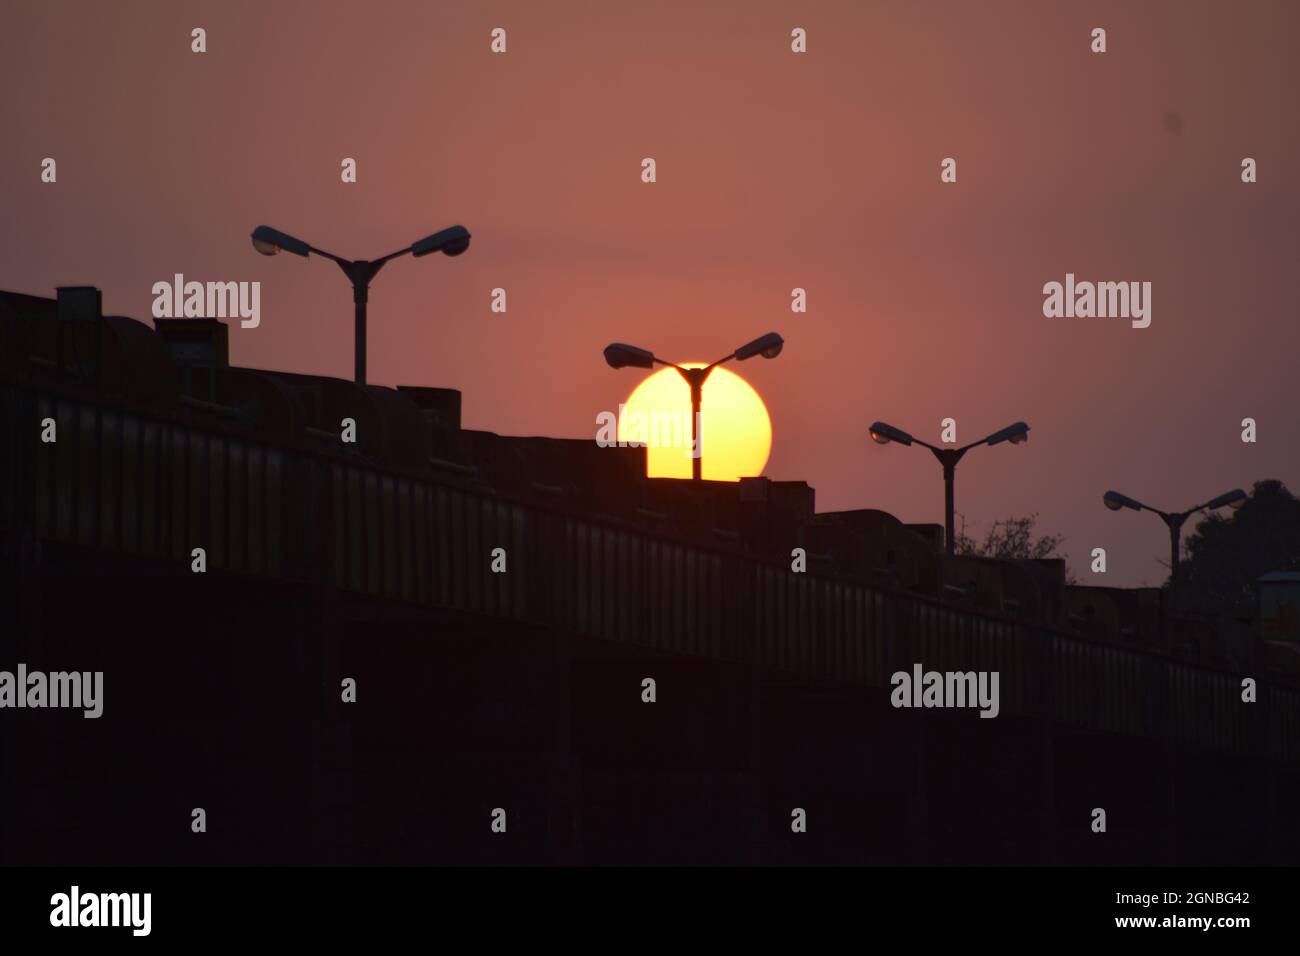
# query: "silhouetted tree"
{"points": [[1013, 538], [1224, 555]]}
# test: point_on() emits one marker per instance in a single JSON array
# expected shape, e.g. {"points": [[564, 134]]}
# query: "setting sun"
{"points": [[736, 430]]}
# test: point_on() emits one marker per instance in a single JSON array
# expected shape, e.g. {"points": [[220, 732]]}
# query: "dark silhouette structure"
{"points": [[523, 690], [882, 434], [452, 241], [1174, 520]]}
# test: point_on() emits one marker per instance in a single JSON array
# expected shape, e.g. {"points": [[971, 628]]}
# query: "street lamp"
{"points": [[451, 241], [883, 434], [619, 355], [1174, 519]]}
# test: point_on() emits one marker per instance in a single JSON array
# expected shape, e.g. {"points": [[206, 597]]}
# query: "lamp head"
{"points": [[451, 241], [269, 241], [1115, 501], [1232, 499], [883, 434], [769, 346], [1017, 434], [619, 355]]}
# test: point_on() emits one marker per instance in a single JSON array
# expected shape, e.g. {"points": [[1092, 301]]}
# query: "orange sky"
{"points": [[775, 171]]}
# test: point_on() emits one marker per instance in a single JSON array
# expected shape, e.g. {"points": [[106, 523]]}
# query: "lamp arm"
{"points": [[329, 255], [392, 255]]}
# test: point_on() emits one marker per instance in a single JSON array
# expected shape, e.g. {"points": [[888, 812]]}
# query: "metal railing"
{"points": [[154, 485]]}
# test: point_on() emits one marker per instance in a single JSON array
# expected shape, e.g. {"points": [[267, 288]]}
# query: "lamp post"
{"points": [[883, 434], [619, 355], [1174, 519], [451, 242]]}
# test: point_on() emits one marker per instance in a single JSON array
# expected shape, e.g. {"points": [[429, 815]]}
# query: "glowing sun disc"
{"points": [[736, 429]]}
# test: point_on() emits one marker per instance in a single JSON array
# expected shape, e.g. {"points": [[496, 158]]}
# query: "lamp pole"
{"points": [[695, 378], [949, 458], [1175, 523], [360, 277]]}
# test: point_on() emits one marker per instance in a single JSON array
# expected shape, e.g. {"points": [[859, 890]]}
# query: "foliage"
{"points": [[1224, 555], [1013, 538]]}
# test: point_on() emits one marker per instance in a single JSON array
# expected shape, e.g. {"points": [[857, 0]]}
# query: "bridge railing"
{"points": [[145, 483]]}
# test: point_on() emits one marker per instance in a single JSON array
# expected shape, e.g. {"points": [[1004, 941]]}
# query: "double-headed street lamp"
{"points": [[883, 434], [1174, 519], [619, 355], [451, 242]]}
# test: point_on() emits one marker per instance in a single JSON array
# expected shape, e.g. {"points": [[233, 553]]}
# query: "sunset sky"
{"points": [[775, 171]]}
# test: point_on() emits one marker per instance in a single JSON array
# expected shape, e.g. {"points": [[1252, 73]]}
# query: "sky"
{"points": [[775, 170]]}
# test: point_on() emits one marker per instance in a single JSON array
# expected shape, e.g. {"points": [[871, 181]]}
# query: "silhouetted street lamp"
{"points": [[883, 434], [1174, 519], [619, 355], [451, 241]]}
